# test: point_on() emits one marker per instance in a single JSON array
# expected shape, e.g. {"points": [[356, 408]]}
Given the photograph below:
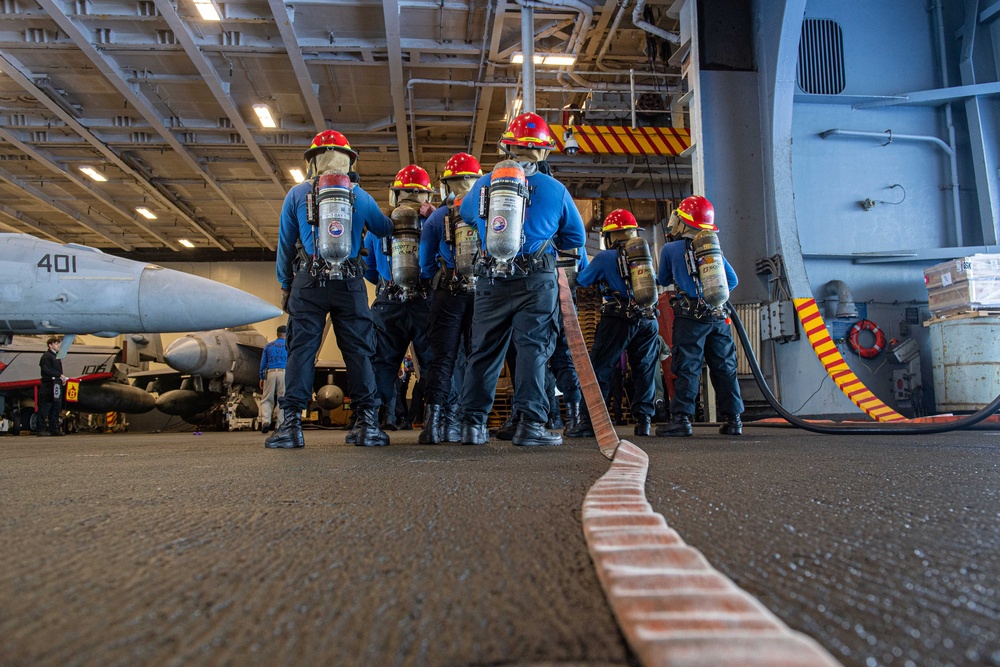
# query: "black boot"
{"points": [[388, 421], [289, 434], [431, 434], [474, 434], [678, 426], [369, 433], [265, 428], [352, 434], [507, 429], [555, 421], [572, 416], [582, 428], [451, 430], [642, 425], [533, 434], [732, 425]]}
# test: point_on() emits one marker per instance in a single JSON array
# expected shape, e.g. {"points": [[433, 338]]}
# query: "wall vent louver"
{"points": [[821, 58]]}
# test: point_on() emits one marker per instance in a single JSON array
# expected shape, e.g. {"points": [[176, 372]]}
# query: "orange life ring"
{"points": [[854, 334]]}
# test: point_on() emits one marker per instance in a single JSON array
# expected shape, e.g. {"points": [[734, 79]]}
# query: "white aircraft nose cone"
{"points": [[172, 301], [186, 355]]}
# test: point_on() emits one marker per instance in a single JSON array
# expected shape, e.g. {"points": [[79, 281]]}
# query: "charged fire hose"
{"points": [[895, 428]]}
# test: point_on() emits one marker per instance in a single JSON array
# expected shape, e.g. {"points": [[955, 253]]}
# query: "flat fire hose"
{"points": [[672, 606]]}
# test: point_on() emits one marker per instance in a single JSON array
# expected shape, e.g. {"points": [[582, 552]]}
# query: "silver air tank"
{"points": [[467, 245], [711, 268], [640, 270], [335, 203], [405, 247], [505, 218]]}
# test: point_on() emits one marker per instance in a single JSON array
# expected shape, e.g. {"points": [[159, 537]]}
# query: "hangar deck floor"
{"points": [[177, 549]]}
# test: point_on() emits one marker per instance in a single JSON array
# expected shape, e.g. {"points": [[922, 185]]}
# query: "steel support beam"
{"points": [[27, 221], [284, 18], [79, 218], [23, 77], [49, 163], [486, 94], [390, 8], [118, 79], [215, 84]]}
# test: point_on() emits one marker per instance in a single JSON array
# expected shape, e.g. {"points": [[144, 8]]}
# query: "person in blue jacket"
{"points": [[310, 293], [448, 250], [700, 333], [624, 327], [400, 311], [273, 360], [519, 305]]}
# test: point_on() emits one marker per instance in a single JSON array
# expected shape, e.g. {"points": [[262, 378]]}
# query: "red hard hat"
{"points": [[327, 140], [530, 131], [698, 213], [412, 177], [461, 164], [619, 219]]}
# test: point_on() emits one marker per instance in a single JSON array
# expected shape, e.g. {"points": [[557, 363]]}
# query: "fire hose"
{"points": [[894, 428]]}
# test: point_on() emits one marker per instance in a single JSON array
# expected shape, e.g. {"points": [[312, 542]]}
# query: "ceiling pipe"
{"points": [[637, 19]]}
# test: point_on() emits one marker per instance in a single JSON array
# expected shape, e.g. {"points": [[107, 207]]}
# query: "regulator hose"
{"points": [[882, 429]]}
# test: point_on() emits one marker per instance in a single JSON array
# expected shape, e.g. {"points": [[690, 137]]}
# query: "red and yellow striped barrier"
{"points": [[618, 140], [828, 354]]}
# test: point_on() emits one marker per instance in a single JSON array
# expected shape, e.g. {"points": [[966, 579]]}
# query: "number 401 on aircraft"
{"points": [[58, 263]]}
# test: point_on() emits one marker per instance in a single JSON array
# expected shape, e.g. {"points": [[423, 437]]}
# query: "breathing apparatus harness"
{"points": [[463, 239], [627, 305], [696, 307], [320, 267]]}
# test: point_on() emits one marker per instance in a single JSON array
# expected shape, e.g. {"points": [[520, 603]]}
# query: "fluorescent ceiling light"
{"points": [[208, 10], [545, 59], [94, 174], [264, 113], [297, 175], [146, 213], [185, 243]]}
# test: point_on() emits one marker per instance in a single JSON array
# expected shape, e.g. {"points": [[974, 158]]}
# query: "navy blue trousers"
{"points": [[448, 333], [521, 310], [711, 341], [346, 303], [637, 338], [397, 323]]}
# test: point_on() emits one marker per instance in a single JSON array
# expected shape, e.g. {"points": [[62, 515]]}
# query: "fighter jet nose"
{"points": [[186, 355], [176, 301]]}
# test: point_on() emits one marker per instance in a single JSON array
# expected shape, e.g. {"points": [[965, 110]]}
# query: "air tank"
{"points": [[405, 247], [335, 203], [505, 218], [711, 268], [640, 269], [467, 245]]}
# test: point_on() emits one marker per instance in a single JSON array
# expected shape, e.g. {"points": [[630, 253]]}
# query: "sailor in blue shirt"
{"points": [[448, 250], [624, 325], [699, 333], [272, 378], [521, 306], [310, 293], [400, 310]]}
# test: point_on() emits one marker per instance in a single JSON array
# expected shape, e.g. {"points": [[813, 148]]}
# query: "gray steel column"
{"points": [[528, 49]]}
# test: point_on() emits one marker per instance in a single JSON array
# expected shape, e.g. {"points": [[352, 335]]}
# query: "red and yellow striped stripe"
{"points": [[828, 355], [618, 140]]}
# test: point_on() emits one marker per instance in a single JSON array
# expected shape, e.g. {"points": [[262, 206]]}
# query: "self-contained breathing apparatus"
{"points": [[635, 267], [330, 210], [464, 238], [502, 205], [704, 261], [403, 251]]}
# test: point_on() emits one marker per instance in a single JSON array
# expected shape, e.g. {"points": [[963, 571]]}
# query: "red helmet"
{"points": [[330, 140], [619, 219], [530, 131], [459, 165], [698, 213], [412, 177]]}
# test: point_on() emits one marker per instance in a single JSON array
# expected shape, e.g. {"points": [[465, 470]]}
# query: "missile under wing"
{"points": [[50, 288]]}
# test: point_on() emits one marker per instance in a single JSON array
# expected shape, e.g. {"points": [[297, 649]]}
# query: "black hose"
{"points": [[881, 429]]}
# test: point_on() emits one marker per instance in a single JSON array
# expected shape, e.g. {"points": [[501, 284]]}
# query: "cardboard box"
{"points": [[974, 267]]}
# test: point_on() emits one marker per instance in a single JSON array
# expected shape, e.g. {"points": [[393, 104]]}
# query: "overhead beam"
{"points": [[46, 160], [486, 94], [23, 77], [217, 87], [117, 78], [79, 218], [283, 18], [390, 8], [27, 221]]}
